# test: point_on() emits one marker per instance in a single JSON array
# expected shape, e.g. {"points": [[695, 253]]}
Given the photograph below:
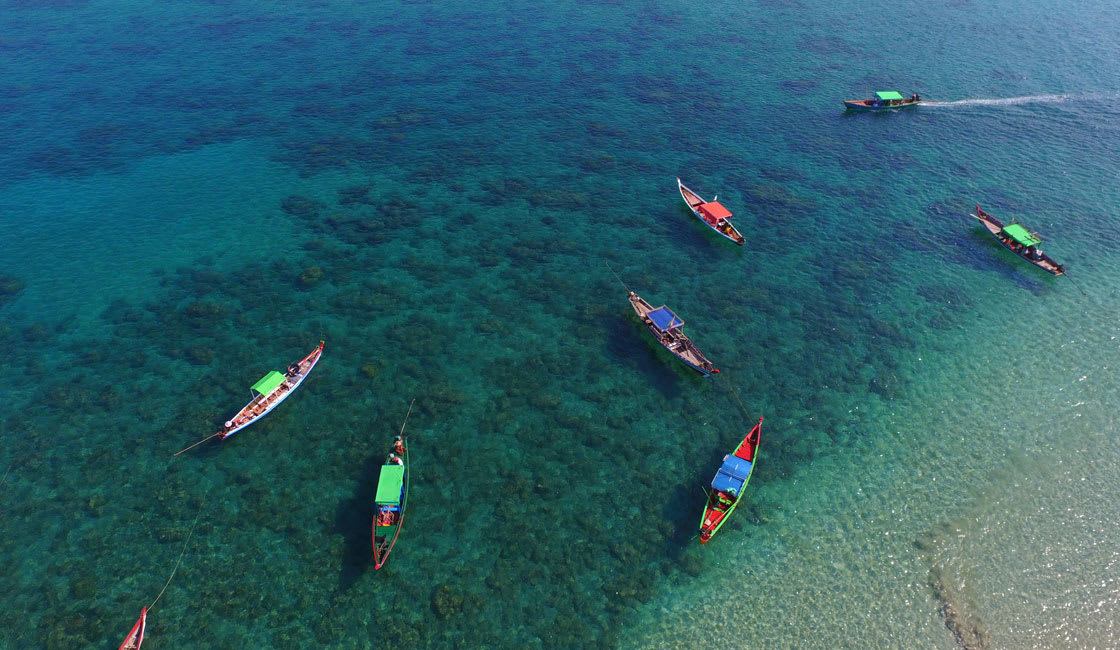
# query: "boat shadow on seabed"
{"points": [[627, 340], [681, 511], [351, 521]]}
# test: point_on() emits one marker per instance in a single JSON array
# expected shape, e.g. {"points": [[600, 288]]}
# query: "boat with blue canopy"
{"points": [[666, 328], [884, 100], [1017, 239], [728, 484]]}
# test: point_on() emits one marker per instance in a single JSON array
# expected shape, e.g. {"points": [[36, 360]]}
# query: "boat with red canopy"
{"points": [[728, 484], [712, 213]]}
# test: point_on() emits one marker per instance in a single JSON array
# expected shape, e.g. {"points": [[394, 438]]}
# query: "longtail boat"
{"points": [[666, 328], [273, 388], [884, 100], [136, 636], [712, 213], [728, 484], [1017, 239], [391, 499]]}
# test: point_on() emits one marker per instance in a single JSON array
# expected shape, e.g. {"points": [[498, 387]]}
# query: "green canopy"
{"points": [[888, 94], [269, 382], [1021, 235], [389, 487]]}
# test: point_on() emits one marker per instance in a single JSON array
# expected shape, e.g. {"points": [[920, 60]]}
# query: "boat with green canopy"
{"points": [[884, 100], [391, 498], [270, 390], [728, 484], [1019, 240]]}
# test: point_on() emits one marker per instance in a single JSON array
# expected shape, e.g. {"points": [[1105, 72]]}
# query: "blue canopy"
{"points": [[732, 475], [664, 318]]}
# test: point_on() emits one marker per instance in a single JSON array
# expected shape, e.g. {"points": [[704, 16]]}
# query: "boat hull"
{"points": [[246, 416], [679, 345], [693, 200], [136, 635], [385, 536], [994, 226], [713, 519], [720, 504], [384, 539], [868, 105]]}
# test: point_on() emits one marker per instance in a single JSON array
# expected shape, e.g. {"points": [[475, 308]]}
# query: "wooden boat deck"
{"points": [[261, 403], [690, 197]]}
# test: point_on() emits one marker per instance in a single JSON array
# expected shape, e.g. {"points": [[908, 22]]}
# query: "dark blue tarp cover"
{"points": [[664, 318], [732, 475]]}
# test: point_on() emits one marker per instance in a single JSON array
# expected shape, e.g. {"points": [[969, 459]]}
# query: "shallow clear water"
{"points": [[196, 194]]}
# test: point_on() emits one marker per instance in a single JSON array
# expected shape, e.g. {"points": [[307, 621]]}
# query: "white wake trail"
{"points": [[1007, 101]]}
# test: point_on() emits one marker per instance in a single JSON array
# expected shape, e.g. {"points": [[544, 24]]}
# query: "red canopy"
{"points": [[714, 210]]}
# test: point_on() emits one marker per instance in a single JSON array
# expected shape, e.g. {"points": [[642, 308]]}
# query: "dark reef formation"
{"points": [[948, 586]]}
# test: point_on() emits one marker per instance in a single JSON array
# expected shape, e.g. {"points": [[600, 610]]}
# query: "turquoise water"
{"points": [[198, 193]]}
